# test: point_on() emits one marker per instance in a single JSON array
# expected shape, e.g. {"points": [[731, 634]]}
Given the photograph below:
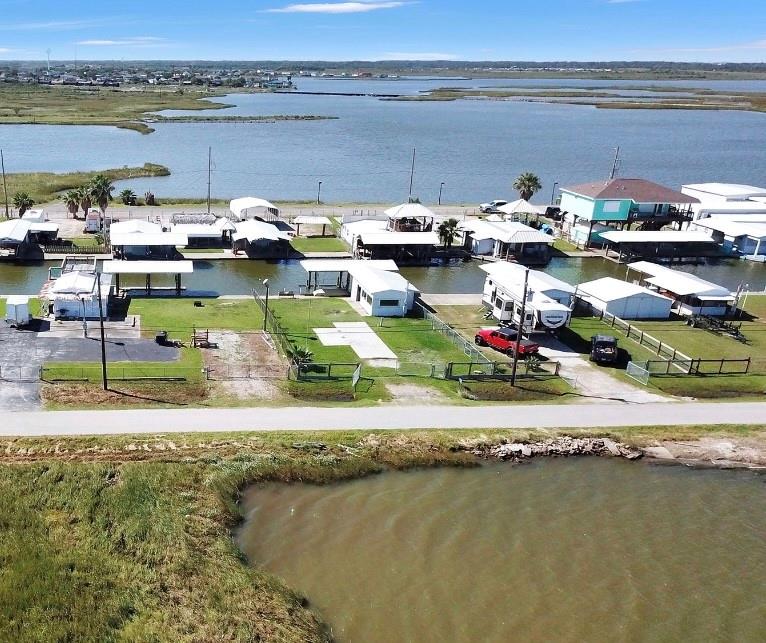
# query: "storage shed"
{"points": [[624, 299]]}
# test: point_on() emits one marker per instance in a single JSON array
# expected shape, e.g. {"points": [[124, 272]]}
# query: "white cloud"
{"points": [[56, 25], [409, 55], [5, 50], [136, 41], [337, 7]]}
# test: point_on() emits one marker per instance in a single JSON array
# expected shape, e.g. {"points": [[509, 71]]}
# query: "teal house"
{"points": [[626, 200]]}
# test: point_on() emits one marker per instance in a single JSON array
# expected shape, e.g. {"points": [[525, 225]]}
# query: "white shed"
{"points": [[624, 299], [382, 293]]}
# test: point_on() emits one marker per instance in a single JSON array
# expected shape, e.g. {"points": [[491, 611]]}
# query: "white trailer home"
{"points": [[382, 293], [549, 300]]}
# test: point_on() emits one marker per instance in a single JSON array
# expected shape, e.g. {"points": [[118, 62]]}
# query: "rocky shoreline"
{"points": [[702, 453], [564, 446]]}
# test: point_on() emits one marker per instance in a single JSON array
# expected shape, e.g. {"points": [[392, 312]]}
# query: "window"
{"points": [[389, 303], [611, 207]]}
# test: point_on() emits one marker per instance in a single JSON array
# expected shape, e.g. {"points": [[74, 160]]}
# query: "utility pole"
{"points": [[209, 173], [104, 379], [520, 329], [412, 174], [615, 164], [5, 186], [441, 187], [319, 191]]}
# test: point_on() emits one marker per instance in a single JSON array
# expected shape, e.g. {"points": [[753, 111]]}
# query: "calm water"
{"points": [[566, 550], [475, 147], [239, 277]]}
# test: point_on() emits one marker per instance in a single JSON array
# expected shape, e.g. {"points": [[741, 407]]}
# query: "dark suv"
{"points": [[603, 349]]}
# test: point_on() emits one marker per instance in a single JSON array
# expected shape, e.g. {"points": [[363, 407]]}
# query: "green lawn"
{"points": [[318, 244], [412, 340], [188, 367], [187, 251], [179, 315]]}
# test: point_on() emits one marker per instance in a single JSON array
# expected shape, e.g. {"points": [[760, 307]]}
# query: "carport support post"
{"points": [[104, 379], [521, 328]]}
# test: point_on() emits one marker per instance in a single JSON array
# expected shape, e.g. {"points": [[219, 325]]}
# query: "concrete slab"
{"points": [[359, 336]]}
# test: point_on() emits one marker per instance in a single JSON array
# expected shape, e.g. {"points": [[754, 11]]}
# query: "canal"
{"points": [[560, 550], [239, 277]]}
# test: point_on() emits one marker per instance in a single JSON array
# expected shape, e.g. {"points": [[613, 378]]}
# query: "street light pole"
{"points": [[553, 192], [266, 308], [104, 380], [441, 187], [319, 191], [520, 328]]}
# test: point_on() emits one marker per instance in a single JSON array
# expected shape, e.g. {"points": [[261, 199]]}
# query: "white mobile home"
{"points": [[507, 239], [382, 293], [624, 299], [548, 303]]}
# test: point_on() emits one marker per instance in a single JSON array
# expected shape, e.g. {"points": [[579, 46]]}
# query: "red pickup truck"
{"points": [[506, 341]]}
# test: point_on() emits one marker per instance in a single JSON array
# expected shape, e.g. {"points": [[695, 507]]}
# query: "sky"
{"points": [[681, 30]]}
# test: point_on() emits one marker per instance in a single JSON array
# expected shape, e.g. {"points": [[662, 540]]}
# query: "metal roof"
{"points": [[506, 232], [408, 211], [311, 220], [732, 190], [13, 230], [148, 267], [510, 275], [658, 236], [374, 281], [637, 190], [344, 265], [731, 228], [148, 239], [677, 282], [611, 289], [134, 226], [254, 230], [399, 238]]}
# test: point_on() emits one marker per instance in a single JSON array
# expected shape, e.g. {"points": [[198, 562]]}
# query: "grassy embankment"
{"points": [[47, 186], [129, 108], [704, 99], [412, 340], [129, 537]]}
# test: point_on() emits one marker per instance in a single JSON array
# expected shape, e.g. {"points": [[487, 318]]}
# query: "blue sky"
{"points": [[711, 30]]}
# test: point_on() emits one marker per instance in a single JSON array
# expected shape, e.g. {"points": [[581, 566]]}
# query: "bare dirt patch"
{"points": [[244, 365], [413, 393]]}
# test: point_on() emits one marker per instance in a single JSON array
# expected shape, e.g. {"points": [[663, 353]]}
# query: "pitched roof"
{"points": [[638, 190], [611, 289]]}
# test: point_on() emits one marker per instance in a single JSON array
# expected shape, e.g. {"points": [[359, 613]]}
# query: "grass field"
{"points": [[318, 244], [97, 106], [47, 186], [179, 315]]}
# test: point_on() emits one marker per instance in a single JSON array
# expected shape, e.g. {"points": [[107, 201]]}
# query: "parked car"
{"points": [[603, 349], [506, 340], [492, 206]]}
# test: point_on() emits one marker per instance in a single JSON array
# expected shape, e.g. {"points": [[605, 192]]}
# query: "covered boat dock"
{"points": [[340, 271], [149, 268], [668, 244]]}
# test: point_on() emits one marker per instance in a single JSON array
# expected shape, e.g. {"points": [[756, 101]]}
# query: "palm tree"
{"points": [[85, 199], [71, 200], [447, 231], [101, 191], [22, 202], [128, 197], [527, 184]]}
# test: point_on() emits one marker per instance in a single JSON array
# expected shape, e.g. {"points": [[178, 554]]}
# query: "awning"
{"points": [[311, 220], [148, 267]]}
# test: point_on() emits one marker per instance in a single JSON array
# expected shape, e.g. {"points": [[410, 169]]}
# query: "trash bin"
{"points": [[161, 337]]}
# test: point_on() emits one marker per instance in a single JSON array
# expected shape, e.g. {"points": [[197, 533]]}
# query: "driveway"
{"points": [[594, 383], [22, 353]]}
